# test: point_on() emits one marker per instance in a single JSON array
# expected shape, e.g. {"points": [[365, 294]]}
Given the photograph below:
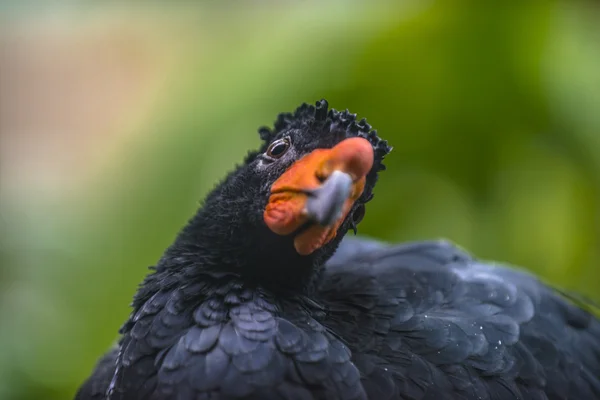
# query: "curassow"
{"points": [[259, 298]]}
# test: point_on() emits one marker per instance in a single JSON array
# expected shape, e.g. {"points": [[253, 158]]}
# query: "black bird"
{"points": [[259, 297]]}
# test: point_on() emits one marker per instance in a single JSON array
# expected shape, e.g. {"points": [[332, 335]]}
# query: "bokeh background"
{"points": [[117, 117]]}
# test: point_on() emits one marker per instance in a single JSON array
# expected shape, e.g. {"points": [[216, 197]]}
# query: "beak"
{"points": [[326, 203], [313, 197]]}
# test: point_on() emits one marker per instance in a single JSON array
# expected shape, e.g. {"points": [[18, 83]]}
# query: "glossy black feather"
{"points": [[422, 320], [435, 322], [245, 354]]}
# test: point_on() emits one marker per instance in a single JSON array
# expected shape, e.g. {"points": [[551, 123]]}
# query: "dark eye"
{"points": [[278, 148], [358, 214]]}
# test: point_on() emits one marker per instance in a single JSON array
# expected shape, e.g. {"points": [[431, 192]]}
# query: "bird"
{"points": [[262, 296]]}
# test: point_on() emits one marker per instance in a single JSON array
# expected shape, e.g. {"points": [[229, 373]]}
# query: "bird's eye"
{"points": [[278, 148], [358, 214]]}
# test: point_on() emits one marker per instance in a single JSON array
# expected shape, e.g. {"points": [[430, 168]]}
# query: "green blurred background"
{"points": [[117, 118]]}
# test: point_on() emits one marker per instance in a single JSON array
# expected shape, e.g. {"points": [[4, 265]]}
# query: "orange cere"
{"points": [[286, 211]]}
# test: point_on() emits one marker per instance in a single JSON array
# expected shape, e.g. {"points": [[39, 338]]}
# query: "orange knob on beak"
{"points": [[320, 188]]}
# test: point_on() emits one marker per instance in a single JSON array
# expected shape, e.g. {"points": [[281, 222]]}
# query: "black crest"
{"points": [[328, 121]]}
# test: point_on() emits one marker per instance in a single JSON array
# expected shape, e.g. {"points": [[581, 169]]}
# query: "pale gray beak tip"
{"points": [[325, 204]]}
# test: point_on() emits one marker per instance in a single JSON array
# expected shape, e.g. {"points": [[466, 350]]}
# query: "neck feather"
{"points": [[214, 243]]}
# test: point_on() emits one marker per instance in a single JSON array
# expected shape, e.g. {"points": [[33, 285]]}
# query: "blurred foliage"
{"points": [[492, 112]]}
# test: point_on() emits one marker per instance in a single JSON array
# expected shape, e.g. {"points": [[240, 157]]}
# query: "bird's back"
{"points": [[428, 321]]}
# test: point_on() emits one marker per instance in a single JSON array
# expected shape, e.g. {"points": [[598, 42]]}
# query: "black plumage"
{"points": [[233, 311], [437, 323]]}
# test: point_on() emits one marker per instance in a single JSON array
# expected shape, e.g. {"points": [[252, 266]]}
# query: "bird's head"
{"points": [[322, 166], [292, 201]]}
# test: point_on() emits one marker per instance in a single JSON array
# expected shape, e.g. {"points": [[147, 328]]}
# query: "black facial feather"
{"points": [[319, 121]]}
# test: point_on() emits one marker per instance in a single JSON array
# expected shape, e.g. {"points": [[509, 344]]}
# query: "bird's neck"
{"points": [[213, 244]]}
